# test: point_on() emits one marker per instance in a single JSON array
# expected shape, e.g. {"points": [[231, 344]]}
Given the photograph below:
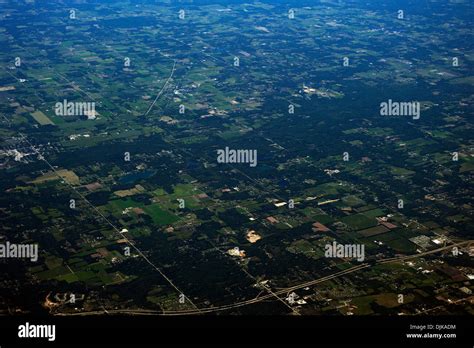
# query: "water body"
{"points": [[132, 178]]}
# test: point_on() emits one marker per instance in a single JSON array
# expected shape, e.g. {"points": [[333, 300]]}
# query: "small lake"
{"points": [[137, 176]]}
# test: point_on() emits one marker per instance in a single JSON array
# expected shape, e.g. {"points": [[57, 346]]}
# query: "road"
{"points": [[281, 292]]}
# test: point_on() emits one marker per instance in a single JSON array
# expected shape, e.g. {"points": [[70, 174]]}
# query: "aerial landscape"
{"points": [[245, 158]]}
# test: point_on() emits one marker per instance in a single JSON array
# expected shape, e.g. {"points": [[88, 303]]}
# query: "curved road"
{"points": [[267, 296]]}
